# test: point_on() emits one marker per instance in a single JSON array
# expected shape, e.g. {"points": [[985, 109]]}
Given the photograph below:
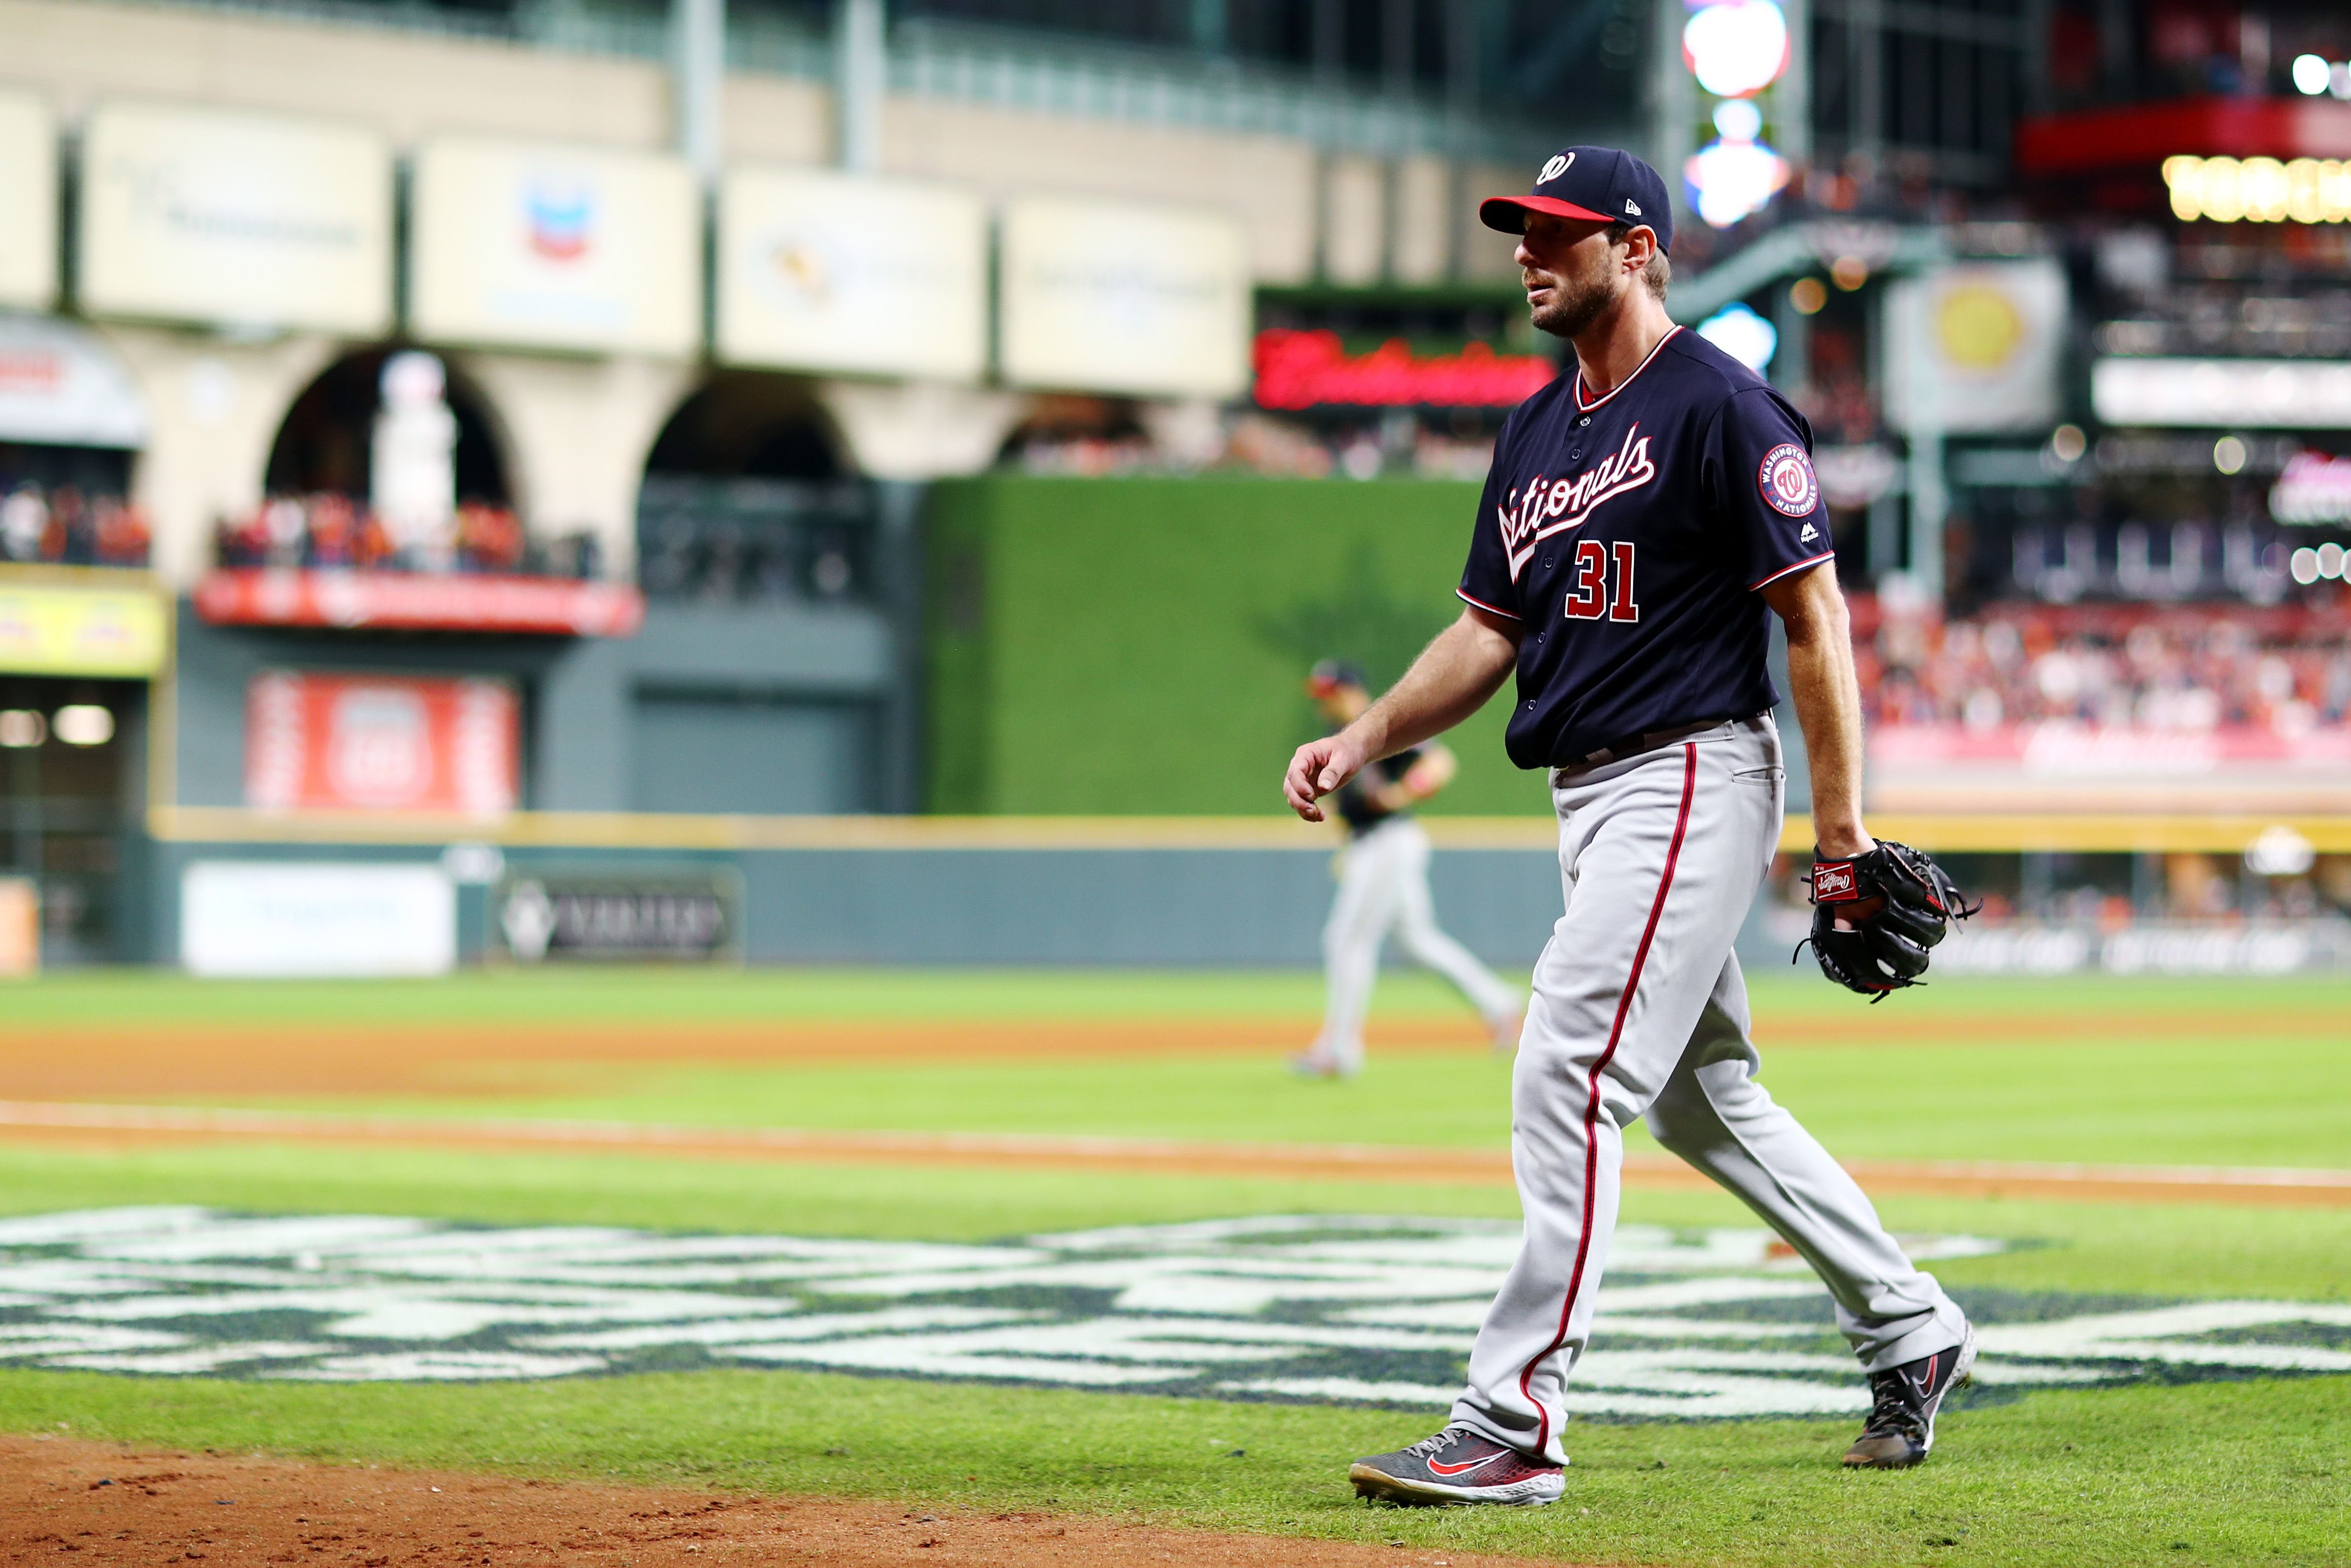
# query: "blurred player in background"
{"points": [[1383, 887]]}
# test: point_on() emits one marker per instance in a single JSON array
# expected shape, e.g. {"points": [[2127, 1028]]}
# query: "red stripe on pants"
{"points": [[1592, 1104]]}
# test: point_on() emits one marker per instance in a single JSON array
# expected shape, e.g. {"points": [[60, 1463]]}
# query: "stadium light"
{"points": [[2259, 190], [1743, 335], [1737, 47], [83, 723], [2311, 75], [1738, 174]]}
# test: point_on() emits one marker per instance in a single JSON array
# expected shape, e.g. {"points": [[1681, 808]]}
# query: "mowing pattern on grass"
{"points": [[1695, 1325]]}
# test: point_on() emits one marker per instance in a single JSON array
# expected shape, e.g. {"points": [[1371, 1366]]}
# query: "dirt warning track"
{"points": [[68, 1501], [82, 1060]]}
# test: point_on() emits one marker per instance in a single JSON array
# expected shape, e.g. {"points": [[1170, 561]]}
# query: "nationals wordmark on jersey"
{"points": [[1554, 507]]}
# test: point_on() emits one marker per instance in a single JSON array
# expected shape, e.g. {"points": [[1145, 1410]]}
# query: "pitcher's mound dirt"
{"points": [[64, 1502]]}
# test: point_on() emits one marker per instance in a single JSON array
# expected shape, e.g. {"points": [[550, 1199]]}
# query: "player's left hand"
{"points": [[1318, 767], [1876, 914]]}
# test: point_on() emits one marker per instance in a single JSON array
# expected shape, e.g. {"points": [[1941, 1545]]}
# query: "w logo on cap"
{"points": [[1556, 167]]}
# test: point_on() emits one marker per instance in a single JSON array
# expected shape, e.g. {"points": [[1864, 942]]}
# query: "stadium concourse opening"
{"points": [[322, 492]]}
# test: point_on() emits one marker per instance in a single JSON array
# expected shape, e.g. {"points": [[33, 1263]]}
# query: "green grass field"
{"points": [[2241, 1469]]}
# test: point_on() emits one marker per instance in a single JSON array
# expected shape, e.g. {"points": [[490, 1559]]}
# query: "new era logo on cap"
{"points": [[1604, 184]]}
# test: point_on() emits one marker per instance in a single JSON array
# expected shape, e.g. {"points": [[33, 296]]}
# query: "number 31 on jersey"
{"points": [[1588, 595]]}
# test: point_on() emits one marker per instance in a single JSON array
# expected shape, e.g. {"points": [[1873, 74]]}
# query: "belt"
{"points": [[1635, 745]]}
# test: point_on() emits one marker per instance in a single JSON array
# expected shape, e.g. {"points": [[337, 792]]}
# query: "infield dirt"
{"points": [[62, 1499]]}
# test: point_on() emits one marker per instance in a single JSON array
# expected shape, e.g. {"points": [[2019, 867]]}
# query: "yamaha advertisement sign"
{"points": [[606, 914]]}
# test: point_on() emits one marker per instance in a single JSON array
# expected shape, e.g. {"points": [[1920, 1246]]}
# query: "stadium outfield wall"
{"points": [[1139, 645]]}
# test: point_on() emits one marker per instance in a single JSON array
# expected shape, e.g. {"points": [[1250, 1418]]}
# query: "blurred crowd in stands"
{"points": [[62, 527], [2168, 668], [325, 531]]}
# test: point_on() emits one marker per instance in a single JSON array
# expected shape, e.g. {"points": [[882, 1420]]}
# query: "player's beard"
{"points": [[1574, 304]]}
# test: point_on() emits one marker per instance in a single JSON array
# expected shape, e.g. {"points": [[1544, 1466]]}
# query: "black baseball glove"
{"points": [[1875, 917]]}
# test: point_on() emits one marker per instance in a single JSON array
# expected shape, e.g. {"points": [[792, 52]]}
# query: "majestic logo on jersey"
{"points": [[1556, 167], [1787, 481], [1552, 507]]}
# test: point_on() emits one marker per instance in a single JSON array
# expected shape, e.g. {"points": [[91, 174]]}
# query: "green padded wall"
{"points": [[1111, 646]]}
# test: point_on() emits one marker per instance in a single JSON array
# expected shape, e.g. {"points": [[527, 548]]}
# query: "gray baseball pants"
{"points": [[1384, 891], [1639, 1010]]}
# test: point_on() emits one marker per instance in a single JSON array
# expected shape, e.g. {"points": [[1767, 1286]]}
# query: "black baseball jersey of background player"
{"points": [[1627, 535], [1353, 798]]}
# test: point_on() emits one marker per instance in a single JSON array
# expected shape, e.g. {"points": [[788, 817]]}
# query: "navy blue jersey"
{"points": [[1627, 534], [1353, 799]]}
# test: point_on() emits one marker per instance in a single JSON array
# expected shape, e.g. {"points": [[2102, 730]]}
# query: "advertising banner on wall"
{"points": [[275, 918], [2063, 765], [60, 385], [606, 912], [28, 201], [193, 214], [1980, 340], [1115, 297], [557, 247], [2274, 394], [823, 271], [57, 630], [381, 743]]}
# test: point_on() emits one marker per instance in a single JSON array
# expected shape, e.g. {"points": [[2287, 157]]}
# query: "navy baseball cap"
{"points": [[1605, 184], [1333, 674]]}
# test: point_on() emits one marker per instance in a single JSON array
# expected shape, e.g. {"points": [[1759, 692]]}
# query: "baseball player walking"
{"points": [[1644, 518], [1384, 888]]}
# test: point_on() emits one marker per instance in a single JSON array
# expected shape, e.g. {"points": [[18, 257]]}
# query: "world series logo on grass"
{"points": [[1787, 480], [1323, 1308]]}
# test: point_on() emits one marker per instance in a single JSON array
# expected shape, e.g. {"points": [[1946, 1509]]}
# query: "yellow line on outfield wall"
{"points": [[1987, 833]]}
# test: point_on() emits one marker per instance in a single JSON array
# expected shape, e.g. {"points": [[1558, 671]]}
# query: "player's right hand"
{"points": [[1316, 769]]}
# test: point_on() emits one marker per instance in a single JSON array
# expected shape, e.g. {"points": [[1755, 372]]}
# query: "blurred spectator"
{"points": [[326, 532], [62, 526], [2152, 670]]}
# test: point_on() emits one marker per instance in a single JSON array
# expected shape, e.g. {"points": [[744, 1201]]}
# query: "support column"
{"points": [[697, 30], [860, 78]]}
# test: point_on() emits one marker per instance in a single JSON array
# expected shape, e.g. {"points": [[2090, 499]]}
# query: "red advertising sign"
{"points": [[1305, 370], [252, 596], [381, 743]]}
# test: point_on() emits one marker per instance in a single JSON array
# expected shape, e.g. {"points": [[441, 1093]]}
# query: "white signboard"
{"points": [[830, 272], [1974, 346], [28, 201], [555, 248], [193, 215], [2276, 394], [61, 386], [1111, 297], [316, 918]]}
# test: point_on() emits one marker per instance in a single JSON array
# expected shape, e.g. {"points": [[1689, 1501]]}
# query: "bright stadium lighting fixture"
{"points": [[22, 727], [1737, 47], [2229, 454], [2259, 190], [1742, 334], [2304, 565], [2330, 560], [83, 723], [2311, 74], [2279, 851], [1737, 119]]}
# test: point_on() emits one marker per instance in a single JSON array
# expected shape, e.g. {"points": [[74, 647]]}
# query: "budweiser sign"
{"points": [[1310, 370]]}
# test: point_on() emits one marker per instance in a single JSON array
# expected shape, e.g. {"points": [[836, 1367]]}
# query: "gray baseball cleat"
{"points": [[1456, 1466], [1901, 1427]]}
